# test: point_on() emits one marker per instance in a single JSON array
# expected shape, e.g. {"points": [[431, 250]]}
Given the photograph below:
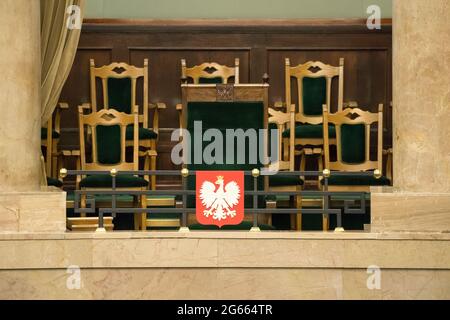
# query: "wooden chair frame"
{"points": [[111, 117], [123, 70], [304, 71], [352, 116], [202, 71], [362, 117], [299, 72], [52, 154], [280, 119]]}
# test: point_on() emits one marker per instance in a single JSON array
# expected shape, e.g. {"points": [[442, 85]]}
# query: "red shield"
{"points": [[220, 197]]}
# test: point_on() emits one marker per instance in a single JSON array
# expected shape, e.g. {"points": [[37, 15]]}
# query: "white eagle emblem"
{"points": [[218, 203]]}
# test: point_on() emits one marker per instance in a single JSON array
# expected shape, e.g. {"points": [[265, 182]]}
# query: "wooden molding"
{"points": [[249, 25]]}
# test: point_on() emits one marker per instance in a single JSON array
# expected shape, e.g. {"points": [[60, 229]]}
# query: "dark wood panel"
{"points": [[76, 90], [261, 46]]}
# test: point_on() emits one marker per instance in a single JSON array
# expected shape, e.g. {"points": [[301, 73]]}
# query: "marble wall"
{"points": [[227, 265], [232, 283]]}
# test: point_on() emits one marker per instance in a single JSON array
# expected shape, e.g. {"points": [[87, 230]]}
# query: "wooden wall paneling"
{"points": [[76, 90]]}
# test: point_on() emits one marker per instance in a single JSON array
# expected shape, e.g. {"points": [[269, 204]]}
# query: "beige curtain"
{"points": [[58, 48]]}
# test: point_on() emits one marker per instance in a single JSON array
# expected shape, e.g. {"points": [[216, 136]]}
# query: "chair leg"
{"points": [[83, 205], [303, 164], [147, 166], [137, 220], [320, 168], [325, 222], [285, 149], [270, 205], [153, 177], [54, 158], [299, 215], [292, 217], [143, 215], [325, 219]]}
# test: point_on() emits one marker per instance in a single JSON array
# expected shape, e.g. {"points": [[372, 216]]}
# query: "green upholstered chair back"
{"points": [[222, 117], [353, 128], [210, 73], [108, 127], [119, 94], [119, 84], [313, 80]]}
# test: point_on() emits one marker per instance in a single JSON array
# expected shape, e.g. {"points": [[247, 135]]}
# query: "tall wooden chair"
{"points": [[49, 141], [108, 131], [225, 101], [278, 120], [314, 88], [207, 73], [210, 72], [353, 137], [119, 90]]}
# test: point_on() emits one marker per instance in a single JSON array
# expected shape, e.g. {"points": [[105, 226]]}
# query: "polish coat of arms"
{"points": [[220, 199]]}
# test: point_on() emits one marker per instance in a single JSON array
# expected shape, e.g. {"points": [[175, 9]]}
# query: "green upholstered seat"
{"points": [[244, 226], [54, 182], [119, 94], [215, 80], [310, 131], [279, 181], [105, 181], [357, 181], [144, 134], [55, 135], [157, 215]]}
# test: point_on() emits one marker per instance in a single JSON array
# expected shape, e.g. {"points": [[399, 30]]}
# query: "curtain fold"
{"points": [[58, 48]]}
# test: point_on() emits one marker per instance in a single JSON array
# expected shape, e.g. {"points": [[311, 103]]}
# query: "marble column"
{"points": [[20, 120], [420, 199], [421, 95], [24, 206]]}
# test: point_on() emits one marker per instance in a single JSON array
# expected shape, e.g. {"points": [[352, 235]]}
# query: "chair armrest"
{"points": [[279, 105], [351, 104], [157, 105], [59, 107], [179, 108], [77, 154], [86, 106], [278, 117], [151, 153], [63, 105]]}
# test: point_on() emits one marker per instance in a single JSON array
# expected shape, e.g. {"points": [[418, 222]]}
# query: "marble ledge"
{"points": [[389, 191], [276, 235]]}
